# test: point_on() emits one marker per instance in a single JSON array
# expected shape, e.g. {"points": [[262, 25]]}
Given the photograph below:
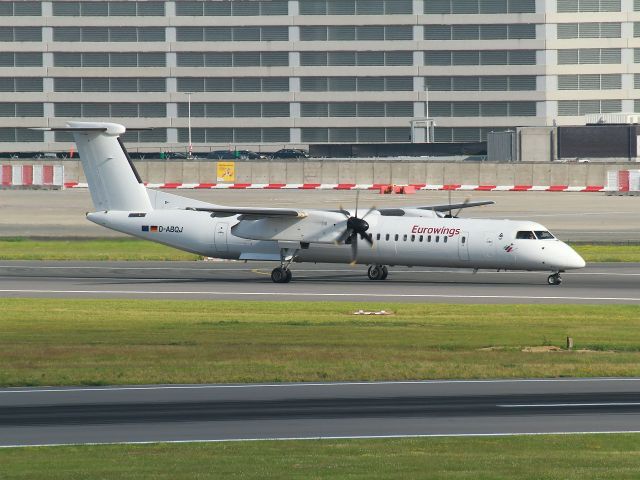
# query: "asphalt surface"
{"points": [[613, 283], [593, 217], [49, 416]]}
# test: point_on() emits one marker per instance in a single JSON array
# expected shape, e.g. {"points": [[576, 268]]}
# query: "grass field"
{"points": [[99, 342], [133, 249], [527, 457], [96, 249]]}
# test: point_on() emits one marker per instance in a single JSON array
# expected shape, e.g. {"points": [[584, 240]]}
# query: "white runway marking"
{"points": [[344, 437], [569, 405], [310, 270], [321, 295], [305, 385]]}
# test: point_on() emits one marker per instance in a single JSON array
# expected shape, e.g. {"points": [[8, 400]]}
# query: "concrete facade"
{"points": [[353, 71], [370, 172]]}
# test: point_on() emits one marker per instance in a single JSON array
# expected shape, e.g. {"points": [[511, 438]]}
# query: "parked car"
{"points": [[179, 156], [290, 153], [234, 155]]}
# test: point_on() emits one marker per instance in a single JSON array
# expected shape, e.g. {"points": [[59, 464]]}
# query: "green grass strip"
{"points": [[124, 249], [129, 249], [103, 342], [571, 457]]}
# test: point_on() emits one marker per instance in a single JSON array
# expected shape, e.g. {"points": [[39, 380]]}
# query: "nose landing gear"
{"points": [[377, 272], [281, 275], [554, 279]]}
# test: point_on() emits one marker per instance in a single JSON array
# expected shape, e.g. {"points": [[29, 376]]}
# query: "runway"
{"points": [[180, 413], [613, 283]]}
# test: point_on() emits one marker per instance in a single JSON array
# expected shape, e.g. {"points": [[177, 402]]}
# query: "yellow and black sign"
{"points": [[226, 171]]}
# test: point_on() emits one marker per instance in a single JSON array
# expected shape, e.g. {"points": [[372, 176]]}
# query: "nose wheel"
{"points": [[377, 272], [281, 275], [554, 279]]}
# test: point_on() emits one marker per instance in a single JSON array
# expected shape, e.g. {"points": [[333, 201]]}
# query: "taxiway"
{"points": [[613, 283], [180, 413]]}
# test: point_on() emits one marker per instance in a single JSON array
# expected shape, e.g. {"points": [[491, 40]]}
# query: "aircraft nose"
{"points": [[572, 259]]}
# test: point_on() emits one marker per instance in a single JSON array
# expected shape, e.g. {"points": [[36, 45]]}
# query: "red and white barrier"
{"points": [[31, 175], [623, 181], [355, 186]]}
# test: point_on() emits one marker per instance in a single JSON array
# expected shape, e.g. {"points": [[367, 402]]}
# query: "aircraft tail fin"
{"points": [[113, 180]]}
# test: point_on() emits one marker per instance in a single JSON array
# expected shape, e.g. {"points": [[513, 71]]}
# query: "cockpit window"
{"points": [[543, 235], [525, 236]]}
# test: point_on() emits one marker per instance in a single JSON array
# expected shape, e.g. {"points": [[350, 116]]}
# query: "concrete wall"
{"points": [[369, 172]]}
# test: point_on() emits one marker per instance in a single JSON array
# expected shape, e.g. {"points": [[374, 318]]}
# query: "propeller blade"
{"points": [[343, 237], [354, 250], [368, 238], [464, 204], [372, 209]]}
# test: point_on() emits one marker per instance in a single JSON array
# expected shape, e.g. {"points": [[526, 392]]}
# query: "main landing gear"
{"points": [[282, 274], [554, 279], [377, 272]]}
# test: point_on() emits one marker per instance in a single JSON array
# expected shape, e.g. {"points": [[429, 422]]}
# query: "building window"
{"points": [[572, 6], [232, 8], [584, 107], [467, 7], [29, 9], [590, 30], [517, 31], [479, 57], [103, 9], [356, 7], [359, 134], [22, 109]]}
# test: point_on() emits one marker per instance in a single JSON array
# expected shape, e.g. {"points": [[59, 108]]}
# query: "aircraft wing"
{"points": [[252, 212], [400, 211], [455, 206]]}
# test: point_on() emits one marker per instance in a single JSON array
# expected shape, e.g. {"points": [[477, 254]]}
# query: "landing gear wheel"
{"points": [[281, 275], [554, 279], [377, 272]]}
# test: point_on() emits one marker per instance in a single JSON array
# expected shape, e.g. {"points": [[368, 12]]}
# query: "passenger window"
{"points": [[544, 235], [464, 239], [387, 237], [437, 238], [525, 236], [429, 239], [397, 236], [378, 237], [413, 238], [421, 238], [444, 239], [404, 238]]}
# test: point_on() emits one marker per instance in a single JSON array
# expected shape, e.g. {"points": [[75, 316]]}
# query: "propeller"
{"points": [[356, 226]]}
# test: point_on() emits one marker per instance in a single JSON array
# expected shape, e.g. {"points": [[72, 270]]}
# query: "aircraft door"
{"points": [[463, 245], [220, 237], [489, 246]]}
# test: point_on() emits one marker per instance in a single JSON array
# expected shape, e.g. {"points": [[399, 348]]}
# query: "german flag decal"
{"points": [[149, 228]]}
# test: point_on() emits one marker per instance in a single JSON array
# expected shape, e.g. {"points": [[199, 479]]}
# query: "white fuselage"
{"points": [[406, 240]]}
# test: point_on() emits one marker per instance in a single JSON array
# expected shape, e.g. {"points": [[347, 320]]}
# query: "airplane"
{"points": [[430, 236]]}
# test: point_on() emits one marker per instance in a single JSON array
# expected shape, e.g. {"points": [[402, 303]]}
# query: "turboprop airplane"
{"points": [[413, 236]]}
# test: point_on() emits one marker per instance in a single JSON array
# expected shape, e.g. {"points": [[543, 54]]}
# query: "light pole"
{"points": [[426, 89], [190, 154]]}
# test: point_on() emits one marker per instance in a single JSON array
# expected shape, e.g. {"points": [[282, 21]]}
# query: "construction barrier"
{"points": [[623, 182], [32, 176], [382, 188]]}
